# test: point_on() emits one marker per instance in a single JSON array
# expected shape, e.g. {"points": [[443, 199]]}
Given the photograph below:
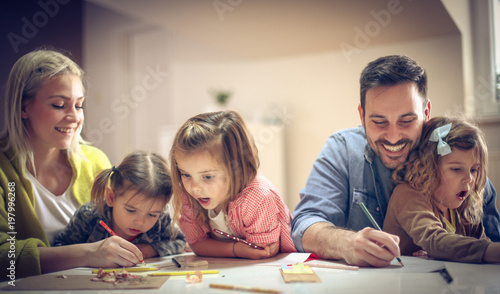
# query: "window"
{"points": [[496, 44], [485, 25]]}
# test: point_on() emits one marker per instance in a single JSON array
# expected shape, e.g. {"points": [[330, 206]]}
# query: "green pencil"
{"points": [[183, 273], [374, 223]]}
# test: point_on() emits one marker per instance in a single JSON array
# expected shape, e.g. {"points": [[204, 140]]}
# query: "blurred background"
{"points": [[290, 67]]}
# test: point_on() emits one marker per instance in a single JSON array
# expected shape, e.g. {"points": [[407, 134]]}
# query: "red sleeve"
{"points": [[254, 213]]}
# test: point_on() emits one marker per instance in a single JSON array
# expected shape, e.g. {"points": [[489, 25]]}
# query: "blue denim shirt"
{"points": [[347, 172]]}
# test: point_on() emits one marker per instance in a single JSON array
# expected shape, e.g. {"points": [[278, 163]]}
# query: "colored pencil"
{"points": [[128, 269], [374, 223], [104, 225], [332, 265], [243, 288], [176, 262], [183, 273], [255, 246]]}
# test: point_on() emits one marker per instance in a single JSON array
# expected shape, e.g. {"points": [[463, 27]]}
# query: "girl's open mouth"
{"points": [[462, 195], [204, 201]]}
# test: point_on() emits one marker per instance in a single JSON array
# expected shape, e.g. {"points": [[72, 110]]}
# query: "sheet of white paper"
{"points": [[285, 258], [412, 264]]}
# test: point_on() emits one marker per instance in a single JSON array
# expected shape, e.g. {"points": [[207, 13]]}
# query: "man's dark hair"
{"points": [[392, 70]]}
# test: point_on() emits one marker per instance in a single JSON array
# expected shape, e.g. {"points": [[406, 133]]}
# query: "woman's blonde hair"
{"points": [[421, 171], [26, 77], [225, 136], [142, 172]]}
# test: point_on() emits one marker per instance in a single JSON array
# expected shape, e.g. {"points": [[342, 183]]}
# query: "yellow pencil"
{"points": [[207, 272], [128, 269], [243, 288]]}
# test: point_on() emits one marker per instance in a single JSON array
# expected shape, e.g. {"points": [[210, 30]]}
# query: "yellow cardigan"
{"points": [[20, 229]]}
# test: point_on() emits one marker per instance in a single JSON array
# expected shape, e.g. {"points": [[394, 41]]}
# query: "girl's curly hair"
{"points": [[421, 171]]}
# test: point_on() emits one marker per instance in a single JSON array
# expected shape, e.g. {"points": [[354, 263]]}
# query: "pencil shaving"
{"points": [[194, 279], [117, 277]]}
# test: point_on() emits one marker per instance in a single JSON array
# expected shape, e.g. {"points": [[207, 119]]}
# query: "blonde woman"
{"points": [[47, 170]]}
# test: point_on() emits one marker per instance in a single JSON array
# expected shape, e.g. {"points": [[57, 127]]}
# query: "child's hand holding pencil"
{"points": [[141, 260]]}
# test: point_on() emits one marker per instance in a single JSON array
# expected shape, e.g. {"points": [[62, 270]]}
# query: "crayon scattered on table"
{"points": [[176, 262], [183, 273]]}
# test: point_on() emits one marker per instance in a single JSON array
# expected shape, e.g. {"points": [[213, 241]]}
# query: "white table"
{"points": [[413, 278]]}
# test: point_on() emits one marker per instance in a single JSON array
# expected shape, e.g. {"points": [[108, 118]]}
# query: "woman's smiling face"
{"points": [[203, 178], [55, 114]]}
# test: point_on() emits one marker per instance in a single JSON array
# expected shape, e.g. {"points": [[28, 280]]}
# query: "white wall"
{"points": [[105, 62], [318, 94], [314, 95]]}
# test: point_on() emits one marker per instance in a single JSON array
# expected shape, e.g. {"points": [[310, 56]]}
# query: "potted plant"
{"points": [[221, 97]]}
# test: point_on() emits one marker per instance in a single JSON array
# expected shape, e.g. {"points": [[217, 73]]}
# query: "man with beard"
{"points": [[355, 166]]}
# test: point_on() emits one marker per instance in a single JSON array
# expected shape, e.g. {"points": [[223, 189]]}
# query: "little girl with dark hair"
{"points": [[131, 199]]}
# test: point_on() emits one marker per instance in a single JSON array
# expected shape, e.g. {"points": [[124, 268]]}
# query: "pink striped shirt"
{"points": [[258, 215]]}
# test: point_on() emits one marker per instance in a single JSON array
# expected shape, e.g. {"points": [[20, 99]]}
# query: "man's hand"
{"points": [[372, 247], [368, 247]]}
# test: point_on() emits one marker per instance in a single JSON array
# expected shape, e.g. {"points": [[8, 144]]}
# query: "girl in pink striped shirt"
{"points": [[214, 164]]}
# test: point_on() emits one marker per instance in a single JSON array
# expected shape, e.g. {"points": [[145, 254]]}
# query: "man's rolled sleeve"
{"points": [[299, 226], [325, 195]]}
